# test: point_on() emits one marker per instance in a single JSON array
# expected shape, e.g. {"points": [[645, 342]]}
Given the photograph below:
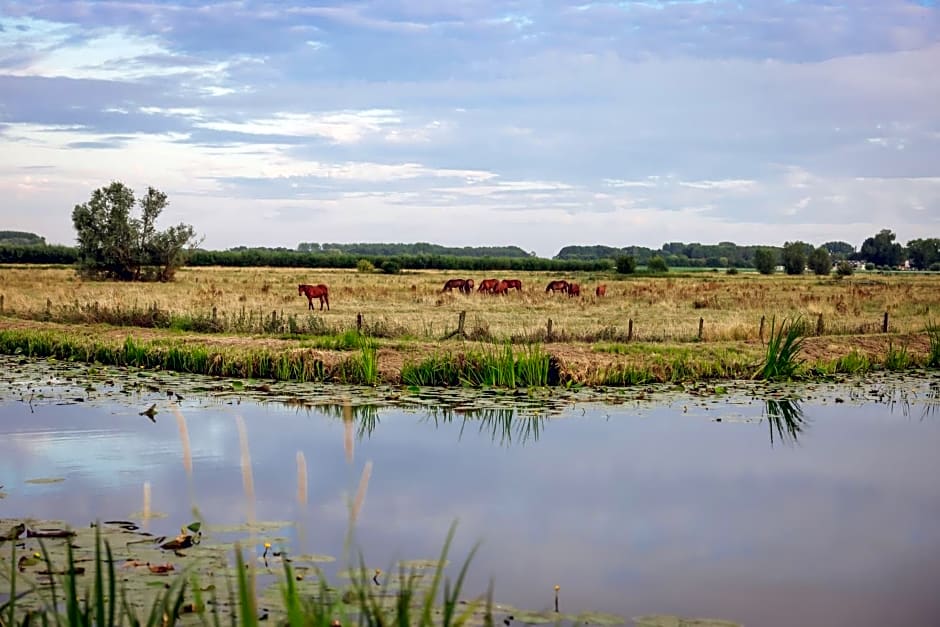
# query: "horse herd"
{"points": [[496, 286], [465, 286]]}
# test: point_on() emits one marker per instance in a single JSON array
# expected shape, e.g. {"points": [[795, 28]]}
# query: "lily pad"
{"points": [[43, 480], [662, 620]]}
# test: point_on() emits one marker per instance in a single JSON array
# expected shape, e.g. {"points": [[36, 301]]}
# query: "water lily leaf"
{"points": [[599, 618], [313, 558], [194, 526], [43, 480]]}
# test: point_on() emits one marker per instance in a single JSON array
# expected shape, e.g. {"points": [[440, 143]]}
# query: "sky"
{"points": [[538, 124]]}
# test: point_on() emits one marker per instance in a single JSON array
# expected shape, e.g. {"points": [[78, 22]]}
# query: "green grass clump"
{"points": [[782, 360], [854, 362], [488, 367], [897, 358], [933, 334]]}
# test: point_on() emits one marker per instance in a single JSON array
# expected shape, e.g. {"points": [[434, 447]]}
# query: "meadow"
{"points": [[705, 313]]}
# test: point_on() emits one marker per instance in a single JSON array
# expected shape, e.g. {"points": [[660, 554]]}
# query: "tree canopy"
{"points": [[882, 250], [113, 244]]}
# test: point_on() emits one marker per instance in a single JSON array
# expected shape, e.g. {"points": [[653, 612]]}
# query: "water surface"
{"points": [[818, 508]]}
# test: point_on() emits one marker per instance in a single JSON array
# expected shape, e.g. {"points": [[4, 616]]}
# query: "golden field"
{"points": [[411, 305], [241, 311]]}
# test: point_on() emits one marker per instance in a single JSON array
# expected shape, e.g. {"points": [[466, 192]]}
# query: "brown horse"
{"points": [[514, 284], [600, 290], [467, 286], [455, 284], [574, 290], [557, 286], [488, 286], [501, 288], [315, 291]]}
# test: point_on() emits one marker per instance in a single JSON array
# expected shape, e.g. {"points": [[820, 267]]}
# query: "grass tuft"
{"points": [[782, 360]]}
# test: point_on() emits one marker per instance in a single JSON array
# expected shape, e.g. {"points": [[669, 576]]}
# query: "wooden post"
{"points": [[760, 333], [359, 322], [215, 313], [1, 303], [460, 321], [48, 306], [820, 326], [548, 331], [701, 328], [884, 325], [630, 330]]}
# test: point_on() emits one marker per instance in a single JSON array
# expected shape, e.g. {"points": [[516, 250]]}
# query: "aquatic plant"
{"points": [[897, 358], [933, 334], [782, 359], [785, 417]]}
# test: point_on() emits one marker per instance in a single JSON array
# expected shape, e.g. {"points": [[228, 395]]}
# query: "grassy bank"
{"points": [[353, 358]]}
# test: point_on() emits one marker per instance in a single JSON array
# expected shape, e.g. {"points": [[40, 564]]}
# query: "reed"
{"points": [[897, 357], [782, 359], [933, 334]]}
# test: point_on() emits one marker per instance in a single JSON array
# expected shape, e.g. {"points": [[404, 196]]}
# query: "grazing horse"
{"points": [[600, 290], [455, 284], [557, 286], [574, 290], [467, 286], [488, 286], [501, 288], [315, 291], [514, 283]]}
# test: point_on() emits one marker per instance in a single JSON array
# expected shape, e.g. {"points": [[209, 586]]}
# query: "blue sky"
{"points": [[534, 123]]}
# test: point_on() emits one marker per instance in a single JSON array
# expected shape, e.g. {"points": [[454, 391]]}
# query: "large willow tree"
{"points": [[114, 244]]}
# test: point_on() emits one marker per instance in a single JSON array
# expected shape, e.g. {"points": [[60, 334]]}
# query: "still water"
{"points": [[820, 507]]}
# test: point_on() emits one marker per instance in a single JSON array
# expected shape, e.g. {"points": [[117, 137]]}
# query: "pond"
{"points": [[781, 505]]}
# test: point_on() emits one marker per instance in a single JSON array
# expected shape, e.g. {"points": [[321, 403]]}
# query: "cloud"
{"points": [[796, 114]]}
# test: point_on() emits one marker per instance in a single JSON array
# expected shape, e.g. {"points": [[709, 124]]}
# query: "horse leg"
{"points": [[309, 303]]}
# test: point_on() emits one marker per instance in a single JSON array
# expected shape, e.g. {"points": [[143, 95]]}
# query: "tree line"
{"points": [[113, 243]]}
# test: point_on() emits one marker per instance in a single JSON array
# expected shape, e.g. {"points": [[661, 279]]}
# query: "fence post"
{"points": [[884, 325], [701, 328], [359, 322], [48, 306], [630, 330], [215, 313], [548, 331], [760, 333], [1, 303], [820, 326]]}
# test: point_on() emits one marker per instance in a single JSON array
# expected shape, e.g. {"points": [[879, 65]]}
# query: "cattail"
{"points": [[301, 478], [247, 478], [361, 492]]}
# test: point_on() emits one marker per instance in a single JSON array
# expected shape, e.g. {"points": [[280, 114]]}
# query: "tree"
{"points": [[882, 250], [820, 262], [657, 264], [923, 252], [114, 245], [839, 250], [794, 257], [765, 260], [844, 268], [626, 264]]}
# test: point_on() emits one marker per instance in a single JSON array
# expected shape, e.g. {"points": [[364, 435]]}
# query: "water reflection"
{"points": [[785, 417], [505, 426]]}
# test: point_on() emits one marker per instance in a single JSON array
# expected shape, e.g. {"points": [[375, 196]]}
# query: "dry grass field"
{"points": [[645, 329], [411, 305]]}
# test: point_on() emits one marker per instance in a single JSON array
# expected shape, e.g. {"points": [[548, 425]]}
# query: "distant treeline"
{"points": [[694, 255], [21, 238], [287, 258], [366, 250]]}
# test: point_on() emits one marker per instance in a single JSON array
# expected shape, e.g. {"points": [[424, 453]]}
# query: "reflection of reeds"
{"points": [[146, 508], [503, 424], [301, 478], [184, 441], [348, 444], [785, 416], [360, 493], [248, 481]]}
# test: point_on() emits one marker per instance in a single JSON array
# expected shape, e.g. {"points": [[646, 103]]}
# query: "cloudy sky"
{"points": [[534, 123]]}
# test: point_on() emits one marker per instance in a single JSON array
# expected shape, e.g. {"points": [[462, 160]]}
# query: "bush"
{"points": [[657, 264], [731, 270], [844, 268], [390, 266], [626, 264], [869, 266], [820, 262], [364, 265], [935, 266]]}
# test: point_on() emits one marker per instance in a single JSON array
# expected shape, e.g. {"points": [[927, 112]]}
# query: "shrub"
{"points": [[731, 270], [364, 265], [869, 266], [626, 264], [657, 264], [390, 266], [844, 268], [934, 267], [820, 261]]}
